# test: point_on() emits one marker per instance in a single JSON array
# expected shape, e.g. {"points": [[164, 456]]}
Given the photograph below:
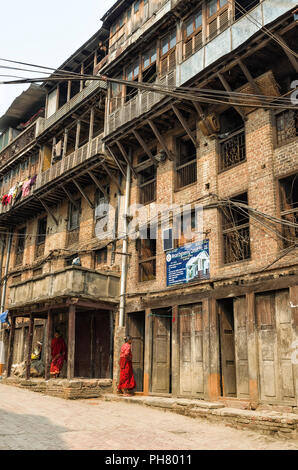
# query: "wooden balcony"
{"points": [[20, 144], [72, 281], [71, 104]]}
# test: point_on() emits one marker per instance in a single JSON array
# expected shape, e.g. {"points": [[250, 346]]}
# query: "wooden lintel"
{"points": [[83, 193], [70, 197], [116, 160], [184, 125], [144, 145], [160, 139], [229, 90], [287, 51], [97, 183], [48, 210], [125, 156], [112, 177]]}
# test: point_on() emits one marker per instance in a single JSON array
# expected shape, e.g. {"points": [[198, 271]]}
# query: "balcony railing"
{"points": [[140, 104], [70, 161], [74, 101], [20, 143]]}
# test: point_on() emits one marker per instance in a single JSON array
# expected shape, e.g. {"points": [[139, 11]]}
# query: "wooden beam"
{"points": [[144, 145], [83, 193], [10, 345], [184, 125], [116, 160], [29, 350], [47, 210], [290, 56], [70, 197], [160, 139], [112, 177], [71, 342], [48, 341], [249, 77], [229, 90], [97, 183], [78, 131], [125, 156]]}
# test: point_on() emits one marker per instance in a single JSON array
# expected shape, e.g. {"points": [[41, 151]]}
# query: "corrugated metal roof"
{"points": [[23, 107]]}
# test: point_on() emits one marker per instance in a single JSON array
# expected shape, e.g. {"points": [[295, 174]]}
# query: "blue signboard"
{"points": [[188, 263]]}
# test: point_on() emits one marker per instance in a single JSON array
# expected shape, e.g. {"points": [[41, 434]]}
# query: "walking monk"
{"points": [[127, 381], [58, 349]]}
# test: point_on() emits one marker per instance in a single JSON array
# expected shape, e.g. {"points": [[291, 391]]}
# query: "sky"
{"points": [[43, 33]]}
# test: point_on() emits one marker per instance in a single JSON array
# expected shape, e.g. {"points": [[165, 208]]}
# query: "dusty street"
{"points": [[31, 421]]}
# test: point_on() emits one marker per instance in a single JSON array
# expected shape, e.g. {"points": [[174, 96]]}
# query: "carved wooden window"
{"points": [[168, 53], [146, 246], [41, 237], [289, 209], [286, 126], [235, 225], [193, 36], [217, 17], [20, 246], [186, 163], [232, 150]]}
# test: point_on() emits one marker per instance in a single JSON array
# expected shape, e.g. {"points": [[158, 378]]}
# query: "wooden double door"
{"points": [[136, 329]]}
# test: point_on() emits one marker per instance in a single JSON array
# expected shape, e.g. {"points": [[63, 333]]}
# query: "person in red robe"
{"points": [[59, 351], [127, 381]]}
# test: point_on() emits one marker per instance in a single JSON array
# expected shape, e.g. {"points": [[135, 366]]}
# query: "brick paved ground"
{"points": [[30, 420]]}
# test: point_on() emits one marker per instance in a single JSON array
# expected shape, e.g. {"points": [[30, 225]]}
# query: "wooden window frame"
{"points": [[19, 255], [223, 142], [41, 238], [290, 214], [191, 37], [141, 185], [149, 259], [276, 114], [167, 54], [179, 166], [216, 16]]}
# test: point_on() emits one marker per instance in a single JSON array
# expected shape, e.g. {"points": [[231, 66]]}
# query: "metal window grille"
{"points": [[286, 126], [232, 150]]}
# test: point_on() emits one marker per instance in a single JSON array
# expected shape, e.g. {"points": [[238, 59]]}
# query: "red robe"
{"points": [[58, 349], [127, 379]]}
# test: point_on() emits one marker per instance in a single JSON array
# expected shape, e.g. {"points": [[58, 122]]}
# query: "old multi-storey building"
{"points": [[209, 297]]}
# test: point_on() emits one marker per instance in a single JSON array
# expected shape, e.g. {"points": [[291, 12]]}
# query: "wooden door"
{"points": [[227, 348], [241, 347], [161, 353], [83, 345], [275, 337], [191, 350], [136, 328], [101, 345]]}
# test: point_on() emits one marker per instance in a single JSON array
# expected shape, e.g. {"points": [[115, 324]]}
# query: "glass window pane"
{"points": [[212, 7], [189, 27], [164, 45], [136, 71], [146, 60], [222, 3], [173, 40], [198, 20], [153, 56]]}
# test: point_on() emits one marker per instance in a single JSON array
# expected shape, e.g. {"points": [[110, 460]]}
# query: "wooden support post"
{"points": [[65, 142], [160, 139], [83, 194], [29, 351], [97, 183], [229, 90], [286, 50], [48, 210], [147, 351], [82, 81], [175, 352], [252, 346], [184, 125], [71, 342], [78, 135], [125, 156], [91, 125], [68, 90], [10, 345], [214, 372], [145, 146], [112, 177], [48, 342], [116, 160]]}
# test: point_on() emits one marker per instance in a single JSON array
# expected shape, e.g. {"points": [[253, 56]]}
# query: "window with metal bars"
{"points": [[232, 150], [146, 246], [286, 126], [186, 162], [41, 237], [289, 209], [235, 231], [20, 246], [147, 184], [193, 35]]}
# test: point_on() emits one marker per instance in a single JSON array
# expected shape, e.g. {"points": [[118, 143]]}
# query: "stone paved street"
{"points": [[31, 421]]}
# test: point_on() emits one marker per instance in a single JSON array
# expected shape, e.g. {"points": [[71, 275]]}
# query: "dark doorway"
{"points": [[227, 348], [136, 329], [162, 351], [93, 348]]}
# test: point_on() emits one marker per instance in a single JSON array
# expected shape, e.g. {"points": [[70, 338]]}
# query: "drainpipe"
{"points": [[124, 247]]}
